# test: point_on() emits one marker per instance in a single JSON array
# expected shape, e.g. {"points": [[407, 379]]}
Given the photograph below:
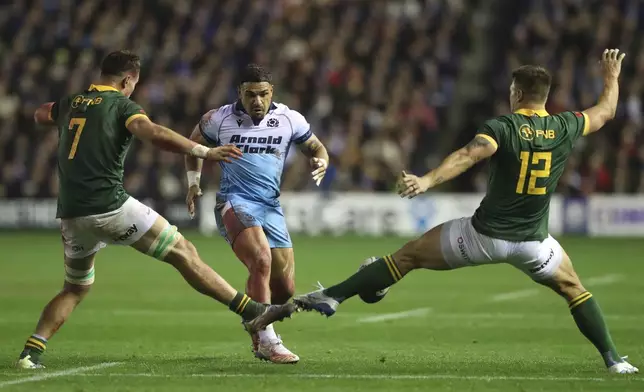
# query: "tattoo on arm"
{"points": [[475, 143]]}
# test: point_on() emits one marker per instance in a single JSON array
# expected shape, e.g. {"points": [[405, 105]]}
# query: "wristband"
{"points": [[193, 177], [199, 151]]}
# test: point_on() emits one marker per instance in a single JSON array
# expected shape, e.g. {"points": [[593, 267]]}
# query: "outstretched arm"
{"points": [[481, 147], [319, 157], [606, 106], [165, 138]]}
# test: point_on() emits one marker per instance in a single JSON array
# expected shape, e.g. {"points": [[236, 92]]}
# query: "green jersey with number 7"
{"points": [[93, 143], [533, 147]]}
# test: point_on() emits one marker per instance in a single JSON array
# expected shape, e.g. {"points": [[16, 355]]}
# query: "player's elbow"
{"points": [[598, 117], [606, 113], [42, 115]]}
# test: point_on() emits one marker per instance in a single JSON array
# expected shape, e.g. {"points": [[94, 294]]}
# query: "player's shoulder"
{"points": [[296, 118], [216, 115], [501, 122], [280, 108]]}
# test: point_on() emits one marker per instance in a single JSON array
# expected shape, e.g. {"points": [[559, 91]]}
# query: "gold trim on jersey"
{"points": [[489, 139], [100, 87], [134, 117], [532, 112], [586, 124]]}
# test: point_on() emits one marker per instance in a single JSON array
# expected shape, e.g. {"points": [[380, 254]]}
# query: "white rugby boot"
{"points": [[26, 362], [623, 368], [273, 350]]}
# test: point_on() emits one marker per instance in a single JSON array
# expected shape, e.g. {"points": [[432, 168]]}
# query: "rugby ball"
{"points": [[372, 297]]}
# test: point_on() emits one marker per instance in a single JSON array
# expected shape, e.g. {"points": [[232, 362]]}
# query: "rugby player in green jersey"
{"points": [[96, 128], [528, 150]]}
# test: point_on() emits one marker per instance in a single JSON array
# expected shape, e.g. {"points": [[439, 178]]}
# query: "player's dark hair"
{"points": [[254, 73], [534, 81], [120, 62]]}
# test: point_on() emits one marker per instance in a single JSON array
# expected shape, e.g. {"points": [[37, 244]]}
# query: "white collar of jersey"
{"points": [[238, 108], [532, 112], [100, 87]]}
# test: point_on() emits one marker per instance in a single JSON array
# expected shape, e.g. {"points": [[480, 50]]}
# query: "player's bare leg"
{"points": [[79, 277], [251, 248], [282, 283], [282, 286], [423, 252], [165, 243], [587, 314]]}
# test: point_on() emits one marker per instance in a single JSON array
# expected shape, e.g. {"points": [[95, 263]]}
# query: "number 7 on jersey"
{"points": [[76, 125]]}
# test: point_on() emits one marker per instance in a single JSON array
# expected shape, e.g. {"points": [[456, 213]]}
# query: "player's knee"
{"points": [[78, 281], [260, 262], [282, 290], [408, 257], [184, 253], [76, 290], [567, 285]]}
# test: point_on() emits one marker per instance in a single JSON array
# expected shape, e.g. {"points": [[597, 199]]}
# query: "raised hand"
{"points": [[611, 63]]}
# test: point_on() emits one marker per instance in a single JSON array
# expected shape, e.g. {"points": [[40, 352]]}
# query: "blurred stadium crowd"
{"points": [[375, 79]]}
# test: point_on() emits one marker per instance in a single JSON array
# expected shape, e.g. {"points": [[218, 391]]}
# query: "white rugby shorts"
{"points": [[86, 235], [463, 246]]}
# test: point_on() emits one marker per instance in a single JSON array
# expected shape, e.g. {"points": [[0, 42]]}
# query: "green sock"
{"points": [[378, 275], [246, 307], [35, 347], [590, 321]]}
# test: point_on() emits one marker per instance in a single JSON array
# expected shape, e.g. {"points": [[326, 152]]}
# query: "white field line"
{"points": [[358, 376], [62, 373], [603, 280], [395, 316], [514, 295]]}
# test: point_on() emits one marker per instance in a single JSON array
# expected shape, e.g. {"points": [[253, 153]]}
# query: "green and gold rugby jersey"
{"points": [[533, 148], [93, 143]]}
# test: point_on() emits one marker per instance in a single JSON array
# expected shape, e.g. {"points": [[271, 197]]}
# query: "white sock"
{"points": [[267, 334]]}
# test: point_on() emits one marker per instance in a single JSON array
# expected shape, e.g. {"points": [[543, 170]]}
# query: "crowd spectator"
{"points": [[374, 78]]}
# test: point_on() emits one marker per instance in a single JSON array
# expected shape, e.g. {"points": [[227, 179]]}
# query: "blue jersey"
{"points": [[257, 175]]}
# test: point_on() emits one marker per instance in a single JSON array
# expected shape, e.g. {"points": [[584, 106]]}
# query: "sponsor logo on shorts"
{"points": [[544, 264], [131, 230], [77, 248], [461, 248]]}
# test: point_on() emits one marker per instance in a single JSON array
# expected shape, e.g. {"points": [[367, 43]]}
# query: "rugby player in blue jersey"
{"points": [[248, 211]]}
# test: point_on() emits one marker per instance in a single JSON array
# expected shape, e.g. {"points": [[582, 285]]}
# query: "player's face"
{"points": [[256, 98], [515, 97], [129, 84]]}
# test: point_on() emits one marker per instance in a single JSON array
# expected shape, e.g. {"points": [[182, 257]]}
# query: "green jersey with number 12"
{"points": [[533, 148]]}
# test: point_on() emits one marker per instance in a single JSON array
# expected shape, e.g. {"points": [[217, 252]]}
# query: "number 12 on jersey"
{"points": [[76, 125], [534, 174]]}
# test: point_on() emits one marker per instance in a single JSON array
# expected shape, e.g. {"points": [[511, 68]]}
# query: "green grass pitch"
{"points": [[481, 329]]}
